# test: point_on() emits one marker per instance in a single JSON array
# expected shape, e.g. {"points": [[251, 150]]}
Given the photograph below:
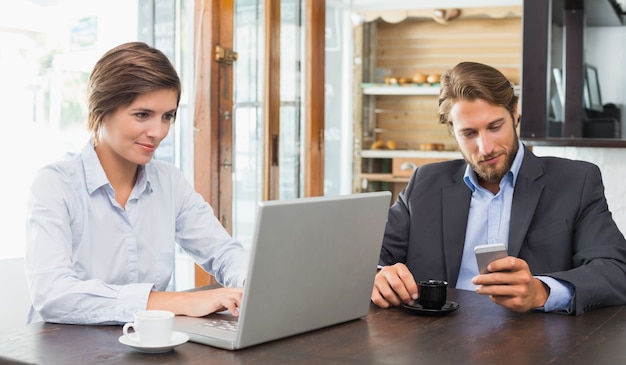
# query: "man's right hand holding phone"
{"points": [[507, 281]]}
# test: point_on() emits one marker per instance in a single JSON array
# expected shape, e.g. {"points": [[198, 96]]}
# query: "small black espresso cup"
{"points": [[432, 293]]}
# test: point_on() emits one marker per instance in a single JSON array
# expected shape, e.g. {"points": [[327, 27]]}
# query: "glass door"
{"points": [[254, 149]]}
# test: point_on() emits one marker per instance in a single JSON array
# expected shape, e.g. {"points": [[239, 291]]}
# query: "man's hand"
{"points": [[511, 285], [393, 286]]}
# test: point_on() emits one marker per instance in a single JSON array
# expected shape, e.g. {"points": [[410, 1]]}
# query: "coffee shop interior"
{"points": [[285, 99]]}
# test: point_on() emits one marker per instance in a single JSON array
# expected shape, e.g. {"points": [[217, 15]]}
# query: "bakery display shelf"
{"points": [[404, 89], [400, 131], [384, 153], [408, 89], [382, 177]]}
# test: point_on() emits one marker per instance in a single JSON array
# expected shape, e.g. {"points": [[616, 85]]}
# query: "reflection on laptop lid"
{"points": [[312, 265]]}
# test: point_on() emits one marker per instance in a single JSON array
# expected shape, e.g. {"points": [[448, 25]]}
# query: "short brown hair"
{"points": [[471, 81], [123, 73]]}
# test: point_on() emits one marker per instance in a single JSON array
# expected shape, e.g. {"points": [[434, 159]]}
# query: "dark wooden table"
{"points": [[479, 332]]}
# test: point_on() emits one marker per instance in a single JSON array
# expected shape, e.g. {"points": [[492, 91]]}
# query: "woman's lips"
{"points": [[147, 147]]}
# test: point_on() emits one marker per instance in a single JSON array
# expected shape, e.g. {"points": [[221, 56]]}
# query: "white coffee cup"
{"points": [[152, 328]]}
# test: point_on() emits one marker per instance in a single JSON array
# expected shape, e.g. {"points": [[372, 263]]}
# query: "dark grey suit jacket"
{"points": [[560, 225]]}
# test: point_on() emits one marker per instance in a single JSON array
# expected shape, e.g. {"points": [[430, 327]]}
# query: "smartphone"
{"points": [[487, 253]]}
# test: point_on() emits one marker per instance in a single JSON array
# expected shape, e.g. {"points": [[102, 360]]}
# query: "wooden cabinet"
{"points": [[391, 170], [554, 33], [404, 166], [396, 117]]}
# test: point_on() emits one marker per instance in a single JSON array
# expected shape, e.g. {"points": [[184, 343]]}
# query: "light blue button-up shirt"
{"points": [[88, 260], [488, 222]]}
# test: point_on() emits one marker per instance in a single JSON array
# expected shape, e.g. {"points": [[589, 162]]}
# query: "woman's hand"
{"points": [[198, 303]]}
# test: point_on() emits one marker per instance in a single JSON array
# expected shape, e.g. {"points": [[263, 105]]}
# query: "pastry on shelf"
{"points": [[419, 78], [382, 145], [433, 78], [389, 80], [404, 80], [377, 145], [432, 146]]}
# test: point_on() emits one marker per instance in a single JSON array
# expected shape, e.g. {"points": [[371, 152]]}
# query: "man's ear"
{"points": [[516, 117]]}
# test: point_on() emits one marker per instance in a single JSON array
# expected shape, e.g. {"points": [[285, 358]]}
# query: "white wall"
{"points": [[15, 300]]}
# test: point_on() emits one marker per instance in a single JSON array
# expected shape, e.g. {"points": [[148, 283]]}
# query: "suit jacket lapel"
{"points": [[525, 199], [456, 202]]}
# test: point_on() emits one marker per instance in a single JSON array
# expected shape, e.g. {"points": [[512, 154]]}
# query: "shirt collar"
{"points": [[471, 180], [94, 173], [95, 176], [143, 182]]}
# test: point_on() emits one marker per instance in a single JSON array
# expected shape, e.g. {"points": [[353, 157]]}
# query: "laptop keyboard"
{"points": [[222, 324]]}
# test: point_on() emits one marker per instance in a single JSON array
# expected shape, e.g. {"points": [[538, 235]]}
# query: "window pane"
{"points": [[247, 117], [290, 146], [48, 49], [338, 102]]}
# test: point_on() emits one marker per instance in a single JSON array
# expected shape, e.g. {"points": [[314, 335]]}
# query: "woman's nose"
{"points": [[158, 129]]}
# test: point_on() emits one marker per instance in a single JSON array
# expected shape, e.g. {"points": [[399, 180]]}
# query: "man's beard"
{"points": [[494, 175]]}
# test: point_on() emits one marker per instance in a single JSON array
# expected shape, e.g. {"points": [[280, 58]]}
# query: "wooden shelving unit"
{"points": [[406, 114], [409, 89]]}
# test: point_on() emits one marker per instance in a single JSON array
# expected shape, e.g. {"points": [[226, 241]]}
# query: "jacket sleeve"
{"points": [[599, 260], [397, 230]]}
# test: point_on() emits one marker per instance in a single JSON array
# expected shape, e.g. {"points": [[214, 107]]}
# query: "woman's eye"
{"points": [[141, 115], [170, 117]]}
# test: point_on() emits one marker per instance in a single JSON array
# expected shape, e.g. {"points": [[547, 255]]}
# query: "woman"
{"points": [[102, 224]]}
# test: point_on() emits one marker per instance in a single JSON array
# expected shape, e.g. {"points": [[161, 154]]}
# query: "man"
{"points": [[566, 253]]}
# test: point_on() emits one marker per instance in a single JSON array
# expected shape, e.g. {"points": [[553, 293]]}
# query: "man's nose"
{"points": [[485, 145]]}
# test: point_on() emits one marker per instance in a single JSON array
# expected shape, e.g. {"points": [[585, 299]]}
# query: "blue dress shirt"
{"points": [[489, 221], [88, 260]]}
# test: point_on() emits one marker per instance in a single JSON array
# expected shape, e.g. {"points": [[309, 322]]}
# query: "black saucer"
{"points": [[417, 309]]}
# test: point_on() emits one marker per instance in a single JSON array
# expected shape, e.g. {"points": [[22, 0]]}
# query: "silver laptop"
{"points": [[312, 265]]}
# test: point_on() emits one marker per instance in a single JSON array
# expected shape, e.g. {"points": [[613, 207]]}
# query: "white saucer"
{"points": [[178, 338]]}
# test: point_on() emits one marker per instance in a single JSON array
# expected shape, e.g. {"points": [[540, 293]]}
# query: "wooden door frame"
{"points": [[271, 102], [213, 25], [314, 97], [212, 112]]}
